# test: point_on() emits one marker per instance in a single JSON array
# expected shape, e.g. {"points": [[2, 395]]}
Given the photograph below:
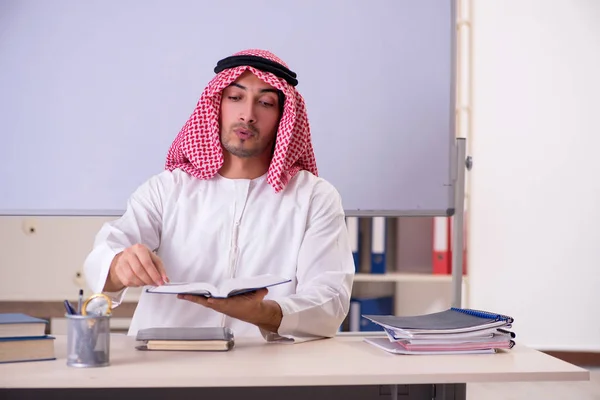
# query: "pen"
{"points": [[80, 301], [69, 307]]}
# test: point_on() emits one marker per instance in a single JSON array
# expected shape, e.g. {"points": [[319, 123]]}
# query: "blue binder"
{"points": [[383, 305]]}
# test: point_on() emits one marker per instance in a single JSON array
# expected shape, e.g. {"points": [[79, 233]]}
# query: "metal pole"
{"points": [[463, 163]]}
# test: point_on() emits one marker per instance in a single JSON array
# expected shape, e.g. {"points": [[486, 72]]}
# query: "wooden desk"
{"points": [[342, 367]]}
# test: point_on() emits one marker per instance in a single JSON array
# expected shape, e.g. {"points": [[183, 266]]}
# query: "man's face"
{"points": [[249, 117]]}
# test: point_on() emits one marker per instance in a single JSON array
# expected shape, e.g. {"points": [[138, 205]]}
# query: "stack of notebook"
{"points": [[453, 331], [185, 339], [23, 338]]}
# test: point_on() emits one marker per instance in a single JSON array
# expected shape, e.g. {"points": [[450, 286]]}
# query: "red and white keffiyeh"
{"points": [[197, 148]]}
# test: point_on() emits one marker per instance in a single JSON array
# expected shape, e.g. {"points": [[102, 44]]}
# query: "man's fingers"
{"points": [[139, 270], [257, 294], [159, 265], [126, 276], [194, 299], [138, 266], [150, 268]]}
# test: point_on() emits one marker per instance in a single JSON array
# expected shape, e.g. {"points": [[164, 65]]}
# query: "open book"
{"points": [[228, 288]]}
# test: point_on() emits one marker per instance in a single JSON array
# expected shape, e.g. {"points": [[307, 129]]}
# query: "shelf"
{"points": [[403, 277]]}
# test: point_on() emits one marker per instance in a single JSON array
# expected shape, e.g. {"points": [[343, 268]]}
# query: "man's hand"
{"points": [[135, 266], [249, 307]]}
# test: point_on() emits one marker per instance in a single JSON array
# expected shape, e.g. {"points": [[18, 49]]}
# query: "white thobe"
{"points": [[215, 229]]}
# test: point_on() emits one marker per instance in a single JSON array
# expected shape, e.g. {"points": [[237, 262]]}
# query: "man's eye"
{"points": [[266, 104], [234, 98]]}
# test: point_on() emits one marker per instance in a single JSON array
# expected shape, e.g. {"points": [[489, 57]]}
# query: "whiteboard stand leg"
{"points": [[463, 163]]}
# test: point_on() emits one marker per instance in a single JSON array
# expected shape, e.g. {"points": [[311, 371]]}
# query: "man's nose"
{"points": [[247, 114]]}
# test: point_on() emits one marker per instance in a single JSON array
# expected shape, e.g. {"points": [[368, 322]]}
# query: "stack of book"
{"points": [[186, 339], [23, 338], [453, 331]]}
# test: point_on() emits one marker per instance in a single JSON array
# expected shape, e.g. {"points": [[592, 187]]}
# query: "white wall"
{"points": [[535, 185], [43, 265]]}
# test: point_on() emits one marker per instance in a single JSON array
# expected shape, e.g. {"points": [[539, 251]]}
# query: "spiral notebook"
{"points": [[452, 320], [435, 349], [452, 331]]}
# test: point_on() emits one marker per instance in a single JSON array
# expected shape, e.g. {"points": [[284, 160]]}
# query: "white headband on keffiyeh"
{"points": [[197, 148]]}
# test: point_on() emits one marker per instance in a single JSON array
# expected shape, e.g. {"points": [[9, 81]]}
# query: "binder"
{"points": [[378, 245], [442, 257], [354, 316], [359, 306], [442, 245], [353, 226]]}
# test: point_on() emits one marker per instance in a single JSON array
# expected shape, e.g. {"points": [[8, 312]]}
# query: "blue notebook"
{"points": [[24, 349], [451, 320], [21, 325]]}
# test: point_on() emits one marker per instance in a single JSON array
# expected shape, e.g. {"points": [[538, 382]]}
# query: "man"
{"points": [[239, 197]]}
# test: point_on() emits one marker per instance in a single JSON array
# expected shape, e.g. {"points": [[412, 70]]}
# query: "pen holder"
{"points": [[88, 340]]}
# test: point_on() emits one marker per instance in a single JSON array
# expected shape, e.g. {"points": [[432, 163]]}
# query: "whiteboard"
{"points": [[94, 92]]}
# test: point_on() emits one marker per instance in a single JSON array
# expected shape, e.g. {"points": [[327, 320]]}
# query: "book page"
{"points": [[198, 288], [235, 286]]}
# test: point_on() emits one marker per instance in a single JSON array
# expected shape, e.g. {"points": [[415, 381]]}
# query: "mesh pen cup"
{"points": [[88, 340]]}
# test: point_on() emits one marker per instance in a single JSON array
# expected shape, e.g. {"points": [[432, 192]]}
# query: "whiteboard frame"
{"points": [[452, 167]]}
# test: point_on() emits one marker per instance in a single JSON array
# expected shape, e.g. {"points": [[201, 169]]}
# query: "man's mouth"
{"points": [[243, 133]]}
